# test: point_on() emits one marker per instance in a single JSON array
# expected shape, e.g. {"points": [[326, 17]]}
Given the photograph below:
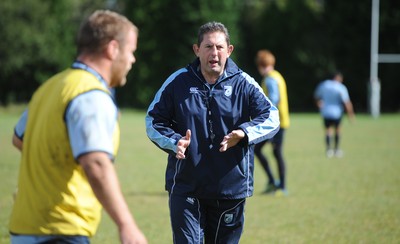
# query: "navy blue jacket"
{"points": [[187, 101]]}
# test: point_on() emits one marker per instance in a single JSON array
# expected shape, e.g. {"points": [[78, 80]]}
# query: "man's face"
{"points": [[213, 53], [124, 60]]}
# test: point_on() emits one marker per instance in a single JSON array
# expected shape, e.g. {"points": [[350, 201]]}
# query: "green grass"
{"points": [[354, 199]]}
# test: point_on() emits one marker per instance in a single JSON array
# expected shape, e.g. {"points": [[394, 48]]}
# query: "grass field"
{"points": [[354, 199]]}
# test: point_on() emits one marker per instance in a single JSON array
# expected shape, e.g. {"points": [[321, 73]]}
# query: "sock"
{"points": [[337, 138], [328, 142]]}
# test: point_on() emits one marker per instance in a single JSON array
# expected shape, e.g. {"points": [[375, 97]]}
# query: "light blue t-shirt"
{"points": [[333, 95], [91, 119]]}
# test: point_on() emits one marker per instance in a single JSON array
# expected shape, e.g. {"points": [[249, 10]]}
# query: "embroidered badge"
{"points": [[228, 218], [228, 91]]}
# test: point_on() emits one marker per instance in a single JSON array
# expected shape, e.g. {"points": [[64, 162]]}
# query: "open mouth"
{"points": [[213, 62]]}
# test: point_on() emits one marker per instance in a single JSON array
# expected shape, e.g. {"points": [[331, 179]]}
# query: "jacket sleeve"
{"points": [[264, 122], [159, 118]]}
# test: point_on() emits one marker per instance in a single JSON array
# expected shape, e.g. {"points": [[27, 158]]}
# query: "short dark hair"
{"points": [[212, 26]]}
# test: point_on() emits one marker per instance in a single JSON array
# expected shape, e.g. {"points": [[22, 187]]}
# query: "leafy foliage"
{"points": [[310, 38], [167, 33], [38, 40]]}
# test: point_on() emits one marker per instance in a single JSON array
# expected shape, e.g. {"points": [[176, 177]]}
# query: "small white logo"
{"points": [[194, 90], [228, 218], [228, 91], [190, 200]]}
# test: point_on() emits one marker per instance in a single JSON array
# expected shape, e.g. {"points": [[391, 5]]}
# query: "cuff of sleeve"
{"points": [[245, 140]]}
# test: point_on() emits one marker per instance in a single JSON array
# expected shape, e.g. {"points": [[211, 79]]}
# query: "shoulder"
{"points": [[343, 88], [93, 101], [326, 83], [176, 77], [78, 82], [247, 83], [276, 75], [248, 80], [179, 72]]}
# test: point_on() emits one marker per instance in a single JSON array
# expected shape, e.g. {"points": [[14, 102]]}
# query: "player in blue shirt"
{"points": [[333, 100]]}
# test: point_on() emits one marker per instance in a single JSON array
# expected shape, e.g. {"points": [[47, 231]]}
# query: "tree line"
{"points": [[310, 39]]}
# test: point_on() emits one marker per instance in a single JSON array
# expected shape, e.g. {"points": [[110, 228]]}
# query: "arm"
{"points": [[17, 142], [348, 105], [264, 125], [273, 90], [159, 119], [263, 122], [91, 120], [318, 102], [318, 97], [103, 179], [349, 109], [19, 130]]}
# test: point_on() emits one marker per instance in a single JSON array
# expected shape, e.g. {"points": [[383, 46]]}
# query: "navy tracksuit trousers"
{"points": [[207, 221]]}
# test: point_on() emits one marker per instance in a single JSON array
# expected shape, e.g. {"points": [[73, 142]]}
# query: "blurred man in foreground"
{"points": [[69, 137]]}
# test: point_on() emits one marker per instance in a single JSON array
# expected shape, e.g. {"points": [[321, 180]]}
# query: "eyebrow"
{"points": [[215, 44]]}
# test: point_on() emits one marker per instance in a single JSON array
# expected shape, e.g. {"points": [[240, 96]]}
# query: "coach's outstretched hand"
{"points": [[183, 143]]}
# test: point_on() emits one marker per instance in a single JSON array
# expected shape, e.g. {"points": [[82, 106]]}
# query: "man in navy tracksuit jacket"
{"points": [[208, 117]]}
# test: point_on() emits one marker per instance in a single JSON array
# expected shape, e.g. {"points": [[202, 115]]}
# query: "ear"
{"points": [[230, 50], [112, 49], [196, 50]]}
